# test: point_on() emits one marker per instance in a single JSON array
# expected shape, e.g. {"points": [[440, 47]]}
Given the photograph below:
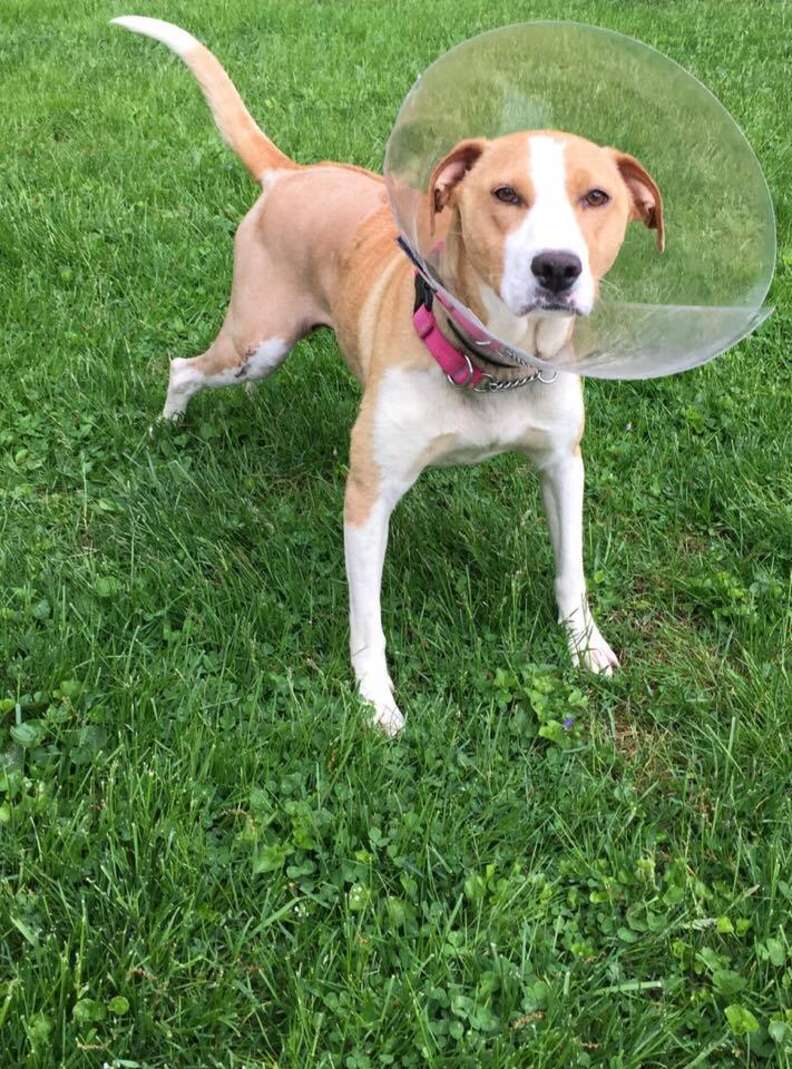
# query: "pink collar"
{"points": [[455, 364], [459, 368]]}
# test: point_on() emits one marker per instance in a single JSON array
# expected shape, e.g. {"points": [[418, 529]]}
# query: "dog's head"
{"points": [[541, 216]]}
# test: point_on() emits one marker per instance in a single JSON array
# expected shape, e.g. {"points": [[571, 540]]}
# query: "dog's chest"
{"points": [[422, 420]]}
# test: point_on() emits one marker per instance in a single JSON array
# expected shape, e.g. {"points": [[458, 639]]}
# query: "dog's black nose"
{"points": [[556, 271]]}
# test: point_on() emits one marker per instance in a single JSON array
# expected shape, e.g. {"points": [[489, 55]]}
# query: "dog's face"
{"points": [[543, 215]]}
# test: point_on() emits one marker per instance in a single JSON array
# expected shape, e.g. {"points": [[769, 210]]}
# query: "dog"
{"points": [[532, 222]]}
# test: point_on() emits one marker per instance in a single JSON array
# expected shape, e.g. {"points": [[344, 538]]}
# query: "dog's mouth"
{"points": [[552, 304]]}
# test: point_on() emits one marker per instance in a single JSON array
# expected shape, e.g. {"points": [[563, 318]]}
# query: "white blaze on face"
{"points": [[549, 226]]}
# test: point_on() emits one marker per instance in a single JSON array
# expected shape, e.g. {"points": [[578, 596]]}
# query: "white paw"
{"points": [[587, 646], [184, 380], [164, 421], [388, 718], [596, 656], [168, 415], [377, 691]]}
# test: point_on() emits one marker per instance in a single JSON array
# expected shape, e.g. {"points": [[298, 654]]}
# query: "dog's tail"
{"points": [[234, 121]]}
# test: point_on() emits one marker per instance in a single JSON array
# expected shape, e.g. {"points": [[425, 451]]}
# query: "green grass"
{"points": [[206, 859]]}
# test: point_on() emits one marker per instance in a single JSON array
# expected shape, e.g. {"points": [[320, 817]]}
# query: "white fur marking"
{"points": [[364, 548], [183, 382], [420, 420], [186, 378], [266, 357], [562, 492], [550, 224], [178, 40]]}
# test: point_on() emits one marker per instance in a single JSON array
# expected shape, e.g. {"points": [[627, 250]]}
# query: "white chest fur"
{"points": [[422, 420]]}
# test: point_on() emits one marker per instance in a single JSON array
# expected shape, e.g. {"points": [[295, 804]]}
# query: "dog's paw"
{"points": [[170, 417], [377, 693], [597, 656], [164, 422], [388, 718], [589, 649]]}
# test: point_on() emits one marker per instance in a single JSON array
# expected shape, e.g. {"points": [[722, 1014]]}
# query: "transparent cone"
{"points": [[655, 314]]}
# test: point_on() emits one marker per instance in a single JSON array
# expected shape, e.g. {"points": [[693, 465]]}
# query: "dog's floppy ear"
{"points": [[647, 202], [451, 170]]}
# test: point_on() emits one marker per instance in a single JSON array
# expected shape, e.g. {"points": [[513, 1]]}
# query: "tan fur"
{"points": [[234, 121]]}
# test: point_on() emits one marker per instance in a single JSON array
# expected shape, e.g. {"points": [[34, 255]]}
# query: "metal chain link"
{"points": [[492, 385]]}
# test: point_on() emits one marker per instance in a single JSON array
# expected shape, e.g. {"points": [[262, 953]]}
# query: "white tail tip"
{"points": [[178, 40]]}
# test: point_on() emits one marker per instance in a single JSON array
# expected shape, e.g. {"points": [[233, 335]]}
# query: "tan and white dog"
{"points": [[536, 220]]}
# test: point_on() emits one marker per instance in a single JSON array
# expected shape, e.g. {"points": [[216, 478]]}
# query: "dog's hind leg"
{"points": [[267, 315], [223, 364]]}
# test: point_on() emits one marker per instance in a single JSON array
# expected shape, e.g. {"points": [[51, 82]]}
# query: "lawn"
{"points": [[207, 860]]}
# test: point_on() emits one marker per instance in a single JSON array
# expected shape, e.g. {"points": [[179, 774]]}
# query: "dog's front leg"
{"points": [[562, 492], [367, 510]]}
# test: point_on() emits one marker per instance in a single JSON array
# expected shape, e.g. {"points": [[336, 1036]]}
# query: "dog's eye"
{"points": [[595, 198], [507, 195]]}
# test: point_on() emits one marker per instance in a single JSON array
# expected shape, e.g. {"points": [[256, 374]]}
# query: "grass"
{"points": [[207, 860]]}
